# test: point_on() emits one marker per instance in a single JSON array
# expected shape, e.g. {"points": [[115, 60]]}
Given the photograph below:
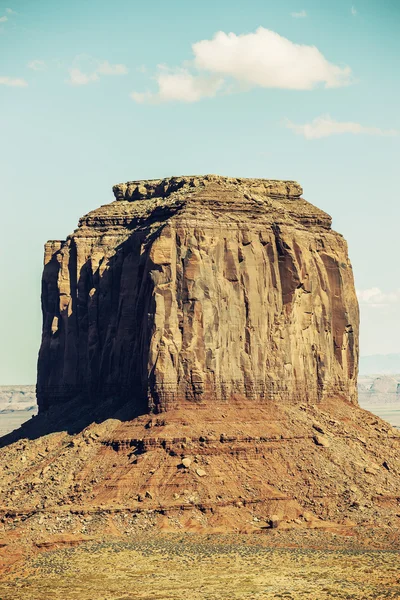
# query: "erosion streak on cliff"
{"points": [[199, 289]]}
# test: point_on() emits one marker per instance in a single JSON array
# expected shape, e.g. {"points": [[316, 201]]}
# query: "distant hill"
{"points": [[17, 405], [383, 364], [378, 390]]}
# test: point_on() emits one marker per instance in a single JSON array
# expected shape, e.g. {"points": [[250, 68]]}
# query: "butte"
{"points": [[199, 366]]}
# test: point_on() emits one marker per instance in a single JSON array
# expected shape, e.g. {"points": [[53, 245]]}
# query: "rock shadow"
{"points": [[92, 362]]}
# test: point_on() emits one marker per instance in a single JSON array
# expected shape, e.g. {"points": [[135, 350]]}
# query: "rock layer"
{"points": [[199, 289]]}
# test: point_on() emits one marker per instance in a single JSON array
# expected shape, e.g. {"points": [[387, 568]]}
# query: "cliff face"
{"points": [[199, 289]]}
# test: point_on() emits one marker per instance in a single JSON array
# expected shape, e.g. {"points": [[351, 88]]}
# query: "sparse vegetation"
{"points": [[193, 567]]}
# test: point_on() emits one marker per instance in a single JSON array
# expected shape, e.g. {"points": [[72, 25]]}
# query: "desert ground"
{"points": [[136, 560], [211, 567], [74, 551], [12, 420]]}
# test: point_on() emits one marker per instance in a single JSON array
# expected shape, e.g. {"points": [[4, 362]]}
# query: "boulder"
{"points": [[273, 522], [320, 440]]}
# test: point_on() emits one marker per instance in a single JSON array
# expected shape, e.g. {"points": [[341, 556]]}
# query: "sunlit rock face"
{"points": [[199, 289]]}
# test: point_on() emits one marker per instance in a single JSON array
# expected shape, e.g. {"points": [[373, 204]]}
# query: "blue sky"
{"points": [[95, 93]]}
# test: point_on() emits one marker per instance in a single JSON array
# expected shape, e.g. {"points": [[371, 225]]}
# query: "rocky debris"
{"points": [[318, 428], [186, 462], [371, 470], [198, 289], [264, 464], [273, 521], [320, 440]]}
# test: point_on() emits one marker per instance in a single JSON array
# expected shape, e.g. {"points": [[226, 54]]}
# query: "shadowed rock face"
{"points": [[199, 289]]}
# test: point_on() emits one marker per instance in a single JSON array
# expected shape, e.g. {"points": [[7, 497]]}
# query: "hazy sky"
{"points": [[93, 93]]}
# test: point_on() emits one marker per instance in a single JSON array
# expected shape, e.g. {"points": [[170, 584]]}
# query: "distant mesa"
{"points": [[199, 289], [17, 405], [380, 391], [17, 398]]}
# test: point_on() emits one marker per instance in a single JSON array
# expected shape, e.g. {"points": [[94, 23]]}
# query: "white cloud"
{"points": [[268, 60], [354, 11], [325, 126], [299, 15], [105, 68], [37, 65], [142, 97], [10, 11], [76, 77], [3, 19], [261, 59], [13, 82], [92, 69], [180, 85], [375, 298]]}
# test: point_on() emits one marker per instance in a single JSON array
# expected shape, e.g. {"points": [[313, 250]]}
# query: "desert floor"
{"points": [[209, 567]]}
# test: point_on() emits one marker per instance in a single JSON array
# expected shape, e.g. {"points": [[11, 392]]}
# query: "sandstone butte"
{"points": [[198, 370], [196, 289]]}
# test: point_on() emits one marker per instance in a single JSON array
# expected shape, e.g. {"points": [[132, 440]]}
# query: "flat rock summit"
{"points": [[198, 371]]}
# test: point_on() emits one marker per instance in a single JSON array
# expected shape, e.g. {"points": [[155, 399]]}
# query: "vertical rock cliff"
{"points": [[199, 289]]}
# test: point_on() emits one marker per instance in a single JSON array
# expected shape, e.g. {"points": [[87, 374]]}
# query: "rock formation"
{"points": [[17, 398], [199, 289], [383, 390], [198, 372]]}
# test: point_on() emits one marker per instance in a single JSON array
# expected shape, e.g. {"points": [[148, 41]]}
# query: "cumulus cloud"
{"points": [[375, 298], [354, 11], [88, 70], [3, 19], [299, 15], [105, 68], [179, 85], [37, 65], [10, 11], [260, 59], [269, 60], [13, 82], [76, 77], [325, 126]]}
